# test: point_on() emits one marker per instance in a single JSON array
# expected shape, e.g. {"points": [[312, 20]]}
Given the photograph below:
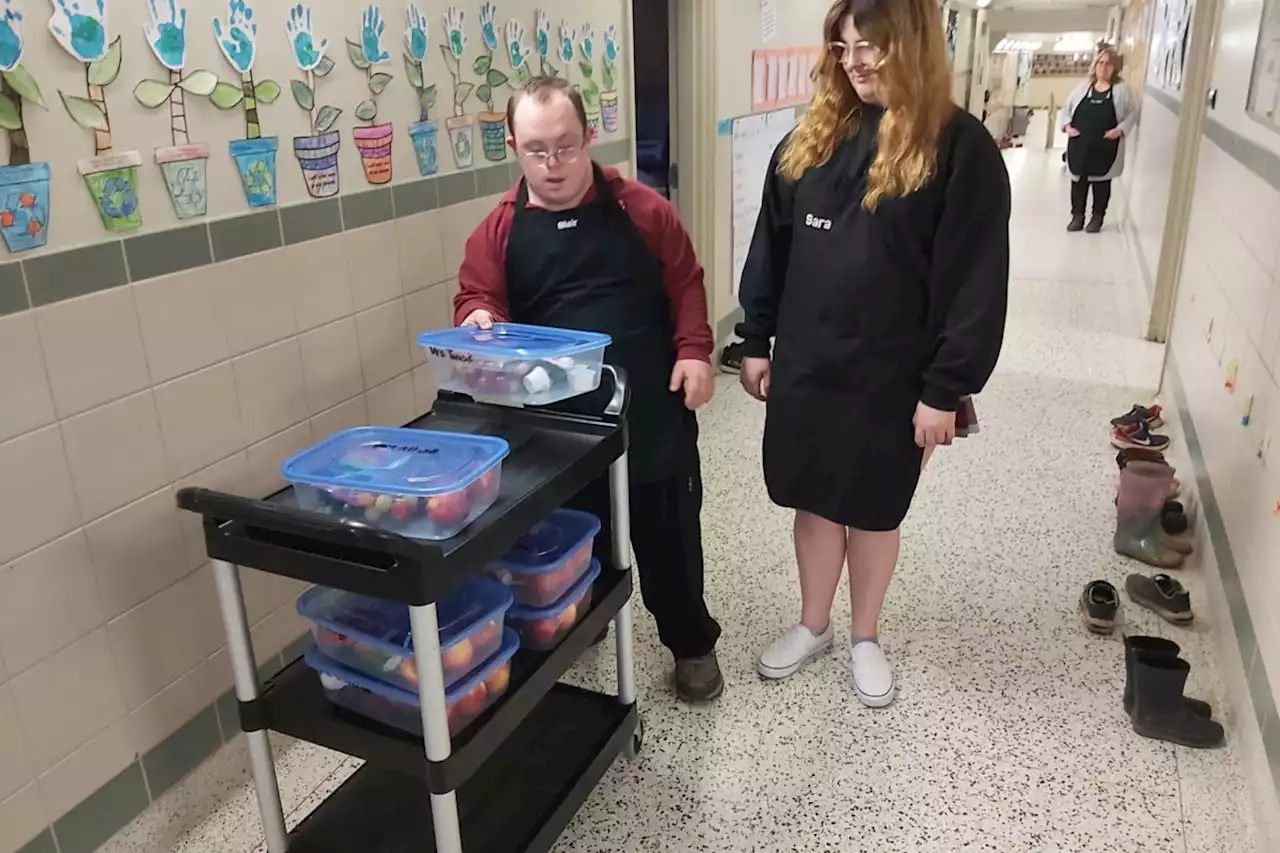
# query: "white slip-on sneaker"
{"points": [[786, 655], [873, 679]]}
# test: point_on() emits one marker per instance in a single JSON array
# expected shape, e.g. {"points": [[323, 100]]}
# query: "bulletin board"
{"points": [[1264, 87], [782, 76], [755, 137]]}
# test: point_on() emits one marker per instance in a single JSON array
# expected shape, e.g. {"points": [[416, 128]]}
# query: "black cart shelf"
{"points": [[512, 780]]}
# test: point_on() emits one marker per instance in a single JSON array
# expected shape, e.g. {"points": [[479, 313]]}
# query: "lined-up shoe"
{"points": [[785, 656], [1099, 607], [1161, 711], [873, 680], [1163, 596], [1150, 415], [1139, 435], [1154, 649]]}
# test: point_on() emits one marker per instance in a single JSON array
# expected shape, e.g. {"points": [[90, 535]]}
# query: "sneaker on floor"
{"points": [[1150, 415], [1139, 435], [786, 655], [731, 359], [698, 679], [873, 680], [1099, 607], [1163, 596]]}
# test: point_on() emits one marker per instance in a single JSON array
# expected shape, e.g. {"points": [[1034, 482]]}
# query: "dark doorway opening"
{"points": [[651, 28]]}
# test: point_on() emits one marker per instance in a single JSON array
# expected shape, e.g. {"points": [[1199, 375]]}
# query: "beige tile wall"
{"points": [[110, 638]]}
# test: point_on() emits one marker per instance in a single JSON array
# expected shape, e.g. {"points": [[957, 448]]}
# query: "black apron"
{"points": [[589, 269], [1091, 155]]}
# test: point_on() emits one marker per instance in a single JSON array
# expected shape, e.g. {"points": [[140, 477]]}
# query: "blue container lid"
{"points": [[385, 624], [549, 543], [536, 614], [515, 341], [415, 462], [325, 665]]}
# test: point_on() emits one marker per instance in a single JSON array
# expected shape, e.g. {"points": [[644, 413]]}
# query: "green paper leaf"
{"points": [[461, 92], [326, 117], [323, 69], [302, 95], [10, 119], [523, 75], [25, 85], [85, 112], [485, 94], [378, 82], [152, 93], [496, 78], [454, 63], [356, 55], [367, 110], [103, 72], [587, 69], [482, 65], [413, 72], [267, 91], [428, 97], [226, 96], [607, 76], [199, 82]]}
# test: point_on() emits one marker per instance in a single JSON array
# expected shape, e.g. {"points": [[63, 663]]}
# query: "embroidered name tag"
{"points": [[564, 224], [817, 222]]}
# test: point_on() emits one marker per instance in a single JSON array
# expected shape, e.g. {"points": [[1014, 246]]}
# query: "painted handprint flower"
{"points": [[588, 42], [567, 36], [306, 50], [167, 33], [371, 29], [416, 32], [81, 30], [10, 37], [517, 49], [542, 39], [454, 21], [611, 43], [488, 29], [238, 36]]}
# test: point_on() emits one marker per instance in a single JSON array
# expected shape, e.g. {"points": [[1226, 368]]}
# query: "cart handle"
{"points": [[618, 402]]}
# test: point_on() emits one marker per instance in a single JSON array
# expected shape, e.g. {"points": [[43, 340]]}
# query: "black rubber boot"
{"points": [[1160, 710], [1154, 648]]}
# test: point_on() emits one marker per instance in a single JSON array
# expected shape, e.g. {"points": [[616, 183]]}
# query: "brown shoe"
{"points": [[698, 679]]}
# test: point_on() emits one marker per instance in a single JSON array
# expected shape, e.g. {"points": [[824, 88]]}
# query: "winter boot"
{"points": [[1160, 711], [1076, 223], [1143, 486], [1154, 648], [1095, 224]]}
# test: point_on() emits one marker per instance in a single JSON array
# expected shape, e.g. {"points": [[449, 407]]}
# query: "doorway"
{"points": [[653, 32]]}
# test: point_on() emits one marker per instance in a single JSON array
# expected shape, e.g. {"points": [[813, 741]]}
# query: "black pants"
{"points": [[1080, 197], [666, 535]]}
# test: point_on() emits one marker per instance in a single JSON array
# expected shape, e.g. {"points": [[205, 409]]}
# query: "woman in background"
{"points": [[879, 267], [1097, 117]]}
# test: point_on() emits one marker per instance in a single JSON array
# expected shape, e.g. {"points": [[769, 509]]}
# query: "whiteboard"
{"points": [[754, 139]]}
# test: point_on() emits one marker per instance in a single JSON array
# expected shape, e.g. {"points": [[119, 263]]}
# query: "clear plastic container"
{"points": [[415, 482], [400, 709], [542, 628], [549, 559], [515, 364], [372, 636]]}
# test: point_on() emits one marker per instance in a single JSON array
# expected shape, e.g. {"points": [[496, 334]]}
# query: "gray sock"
{"points": [[875, 638]]}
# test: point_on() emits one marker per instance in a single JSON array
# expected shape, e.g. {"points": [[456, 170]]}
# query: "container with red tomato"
{"points": [[465, 701], [423, 484], [549, 559], [542, 628], [372, 636]]}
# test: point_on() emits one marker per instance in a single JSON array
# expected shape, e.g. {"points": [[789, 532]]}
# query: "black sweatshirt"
{"points": [[908, 299]]}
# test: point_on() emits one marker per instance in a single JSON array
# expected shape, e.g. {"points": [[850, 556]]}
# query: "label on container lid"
{"points": [[511, 341], [415, 462]]}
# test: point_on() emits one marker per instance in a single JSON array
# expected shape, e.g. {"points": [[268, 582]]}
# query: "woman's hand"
{"points": [[1071, 130], [933, 426], [1113, 133], [756, 376]]}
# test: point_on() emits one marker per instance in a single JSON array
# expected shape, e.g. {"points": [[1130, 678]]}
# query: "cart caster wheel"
{"points": [[637, 741]]}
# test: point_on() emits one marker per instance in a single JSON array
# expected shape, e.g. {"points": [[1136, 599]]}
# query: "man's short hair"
{"points": [[543, 89]]}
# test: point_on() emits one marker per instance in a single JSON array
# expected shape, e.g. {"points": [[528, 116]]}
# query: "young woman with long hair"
{"points": [[1097, 117], [879, 269]]}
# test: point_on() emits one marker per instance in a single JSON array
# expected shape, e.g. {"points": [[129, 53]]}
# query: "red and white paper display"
{"points": [[782, 76]]}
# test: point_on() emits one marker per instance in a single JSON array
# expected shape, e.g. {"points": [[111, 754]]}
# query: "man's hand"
{"points": [[756, 377], [1113, 133], [1071, 131], [933, 427], [697, 379], [479, 317]]}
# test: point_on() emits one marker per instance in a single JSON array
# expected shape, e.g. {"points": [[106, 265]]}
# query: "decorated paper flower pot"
{"points": [[186, 176], [461, 140], [24, 206], [424, 135], [318, 157], [593, 119], [113, 182], [256, 162], [374, 144], [493, 136], [609, 111]]}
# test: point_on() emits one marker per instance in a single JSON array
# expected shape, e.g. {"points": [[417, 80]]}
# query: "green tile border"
{"points": [[42, 843], [41, 280], [103, 813]]}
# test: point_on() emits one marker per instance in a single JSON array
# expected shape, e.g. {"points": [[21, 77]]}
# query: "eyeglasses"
{"points": [[862, 53], [568, 154]]}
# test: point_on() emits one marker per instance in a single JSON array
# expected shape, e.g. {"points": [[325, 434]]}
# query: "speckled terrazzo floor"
{"points": [[1008, 734]]}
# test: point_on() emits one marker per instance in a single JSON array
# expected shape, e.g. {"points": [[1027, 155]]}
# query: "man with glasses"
{"points": [[576, 245]]}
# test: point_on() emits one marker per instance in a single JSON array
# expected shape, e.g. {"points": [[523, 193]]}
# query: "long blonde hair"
{"points": [[915, 77], [1106, 51]]}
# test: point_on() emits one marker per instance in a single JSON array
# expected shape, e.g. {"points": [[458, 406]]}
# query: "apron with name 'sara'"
{"points": [[1091, 154], [589, 269]]}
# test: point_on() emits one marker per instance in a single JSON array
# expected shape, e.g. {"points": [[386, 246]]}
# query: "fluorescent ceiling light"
{"points": [[1008, 45], [982, 4]]}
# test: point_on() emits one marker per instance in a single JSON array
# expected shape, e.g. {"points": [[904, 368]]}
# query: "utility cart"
{"points": [[513, 779]]}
